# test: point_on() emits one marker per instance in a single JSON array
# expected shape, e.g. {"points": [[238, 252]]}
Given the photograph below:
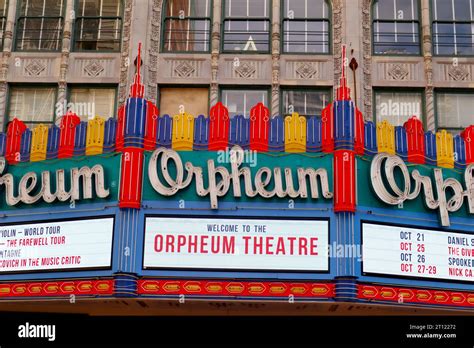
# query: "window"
{"points": [[453, 27], [39, 25], [396, 28], [193, 100], [246, 26], [454, 110], [305, 26], [32, 104], [3, 19], [398, 107], [187, 26], [98, 25], [305, 102], [88, 102], [239, 102]]}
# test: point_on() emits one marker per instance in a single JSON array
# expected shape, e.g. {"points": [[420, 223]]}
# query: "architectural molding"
{"points": [[6, 57], [215, 48], [35, 67], [398, 72], [154, 51], [367, 58], [306, 70], [93, 68], [125, 58], [185, 69], [245, 70], [276, 74], [66, 47], [337, 34], [3, 101], [428, 64], [459, 73]]}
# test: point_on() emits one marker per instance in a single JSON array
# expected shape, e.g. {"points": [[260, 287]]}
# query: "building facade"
{"points": [[414, 57], [185, 156]]}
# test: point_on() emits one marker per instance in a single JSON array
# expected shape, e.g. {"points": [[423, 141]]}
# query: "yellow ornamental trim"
{"points": [[214, 288], [19, 289], [183, 132], [39, 142], [95, 136], [422, 296], [319, 290], [151, 287], [295, 133], [445, 149], [103, 286], [386, 137], [69, 287]]}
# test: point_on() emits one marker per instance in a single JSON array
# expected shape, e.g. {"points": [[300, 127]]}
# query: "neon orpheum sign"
{"points": [[414, 183], [220, 179], [29, 184]]}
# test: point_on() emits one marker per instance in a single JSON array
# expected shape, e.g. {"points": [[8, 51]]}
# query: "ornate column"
{"points": [[7, 50], [133, 127], [66, 47], [344, 164], [125, 60], [154, 51], [215, 46], [337, 35], [366, 108], [428, 62], [276, 35]]}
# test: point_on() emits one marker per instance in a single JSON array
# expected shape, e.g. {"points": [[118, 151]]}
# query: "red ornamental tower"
{"points": [[347, 134], [15, 130], [347, 139], [67, 136], [137, 123]]}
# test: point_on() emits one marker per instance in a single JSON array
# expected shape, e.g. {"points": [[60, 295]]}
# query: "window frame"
{"points": [[330, 34], [270, 29], [7, 4], [163, 29], [30, 86], [420, 91], [71, 86], [437, 91], [16, 29], [433, 48], [160, 86], [263, 88], [418, 21], [281, 110], [74, 33]]}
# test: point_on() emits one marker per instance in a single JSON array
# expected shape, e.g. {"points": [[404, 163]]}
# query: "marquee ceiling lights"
{"points": [[400, 195]]}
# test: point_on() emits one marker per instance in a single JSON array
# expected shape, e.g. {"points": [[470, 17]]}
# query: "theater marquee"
{"points": [[56, 245], [417, 252], [240, 244]]}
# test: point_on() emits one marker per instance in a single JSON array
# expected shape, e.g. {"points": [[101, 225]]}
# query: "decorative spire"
{"points": [[343, 92], [137, 89]]}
